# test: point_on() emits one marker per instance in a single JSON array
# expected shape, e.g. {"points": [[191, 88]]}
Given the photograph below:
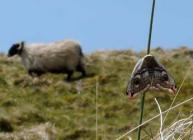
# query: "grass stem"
{"points": [[148, 51], [141, 115]]}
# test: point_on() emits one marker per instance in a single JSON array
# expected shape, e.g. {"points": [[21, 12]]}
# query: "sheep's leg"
{"points": [[34, 73], [69, 75], [81, 69], [83, 72], [31, 73]]}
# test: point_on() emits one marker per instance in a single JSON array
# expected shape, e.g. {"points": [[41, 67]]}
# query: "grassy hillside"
{"points": [[70, 107]]}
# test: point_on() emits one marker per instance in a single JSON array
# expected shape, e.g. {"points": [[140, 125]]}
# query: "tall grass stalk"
{"points": [[161, 119], [96, 108], [148, 51]]}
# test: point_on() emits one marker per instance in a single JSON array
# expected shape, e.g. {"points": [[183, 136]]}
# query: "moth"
{"points": [[148, 73]]}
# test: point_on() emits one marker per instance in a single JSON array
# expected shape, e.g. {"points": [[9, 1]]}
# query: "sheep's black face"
{"points": [[15, 49]]}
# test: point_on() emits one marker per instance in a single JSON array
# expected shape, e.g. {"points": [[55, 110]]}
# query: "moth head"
{"points": [[15, 49]]}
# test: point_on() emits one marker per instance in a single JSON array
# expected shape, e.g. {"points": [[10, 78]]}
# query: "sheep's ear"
{"points": [[21, 46]]}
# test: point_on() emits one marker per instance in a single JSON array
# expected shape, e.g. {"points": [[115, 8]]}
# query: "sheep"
{"points": [[57, 57]]}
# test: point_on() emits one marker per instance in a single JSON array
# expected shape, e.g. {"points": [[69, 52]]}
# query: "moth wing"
{"points": [[137, 67], [132, 89], [150, 62]]}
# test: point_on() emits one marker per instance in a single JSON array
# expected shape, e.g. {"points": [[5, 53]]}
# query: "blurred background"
{"points": [[114, 36], [98, 25]]}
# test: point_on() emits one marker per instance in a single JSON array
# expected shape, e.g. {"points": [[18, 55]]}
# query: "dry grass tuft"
{"points": [[41, 132], [179, 130]]}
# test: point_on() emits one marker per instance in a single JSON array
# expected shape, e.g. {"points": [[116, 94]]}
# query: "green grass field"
{"points": [[71, 107]]}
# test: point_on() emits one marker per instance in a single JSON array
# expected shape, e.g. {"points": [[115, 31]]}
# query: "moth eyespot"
{"points": [[165, 76], [137, 80]]}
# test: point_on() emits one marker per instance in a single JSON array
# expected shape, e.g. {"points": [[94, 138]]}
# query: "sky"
{"points": [[97, 24]]}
